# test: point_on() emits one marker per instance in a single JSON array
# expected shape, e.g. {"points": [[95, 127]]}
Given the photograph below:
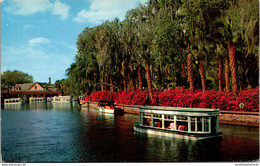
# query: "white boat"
{"points": [[37, 99], [14, 101], [108, 106], [184, 123], [49, 99], [61, 99]]}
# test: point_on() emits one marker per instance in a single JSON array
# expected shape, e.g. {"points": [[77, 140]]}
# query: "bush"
{"points": [[245, 100]]}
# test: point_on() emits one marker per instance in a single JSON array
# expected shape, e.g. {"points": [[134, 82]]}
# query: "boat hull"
{"points": [[61, 101], [175, 134], [15, 103], [116, 111]]}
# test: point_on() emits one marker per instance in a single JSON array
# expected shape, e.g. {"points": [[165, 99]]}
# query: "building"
{"points": [[28, 90]]}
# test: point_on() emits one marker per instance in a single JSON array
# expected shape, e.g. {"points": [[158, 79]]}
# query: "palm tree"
{"points": [[199, 19], [144, 41], [227, 87], [220, 74]]}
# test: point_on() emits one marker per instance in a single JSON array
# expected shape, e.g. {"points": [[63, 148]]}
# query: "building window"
{"points": [[35, 87]]}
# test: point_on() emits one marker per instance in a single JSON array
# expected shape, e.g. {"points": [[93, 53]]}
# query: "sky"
{"points": [[39, 37]]}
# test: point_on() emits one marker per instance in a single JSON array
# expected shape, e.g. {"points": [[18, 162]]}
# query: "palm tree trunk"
{"points": [[227, 87], [203, 79], [232, 58], [105, 84], [165, 70], [101, 80], [139, 78], [131, 76], [182, 70], [123, 73], [159, 72], [152, 72], [149, 82], [190, 72], [220, 74], [129, 81], [112, 84]]}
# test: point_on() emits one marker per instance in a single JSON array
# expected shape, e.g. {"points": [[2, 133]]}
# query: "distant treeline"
{"points": [[195, 44]]}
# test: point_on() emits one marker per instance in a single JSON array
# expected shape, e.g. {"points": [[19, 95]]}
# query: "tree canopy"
{"points": [[10, 78], [167, 44]]}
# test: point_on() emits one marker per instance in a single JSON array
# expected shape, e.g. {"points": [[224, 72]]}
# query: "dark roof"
{"points": [[24, 86], [27, 86]]}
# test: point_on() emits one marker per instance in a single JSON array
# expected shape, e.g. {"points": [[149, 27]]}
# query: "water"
{"points": [[64, 133]]}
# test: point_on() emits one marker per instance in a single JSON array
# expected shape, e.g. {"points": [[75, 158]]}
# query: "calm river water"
{"points": [[63, 133]]}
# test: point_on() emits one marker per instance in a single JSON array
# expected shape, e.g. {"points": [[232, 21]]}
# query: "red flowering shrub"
{"points": [[101, 95], [246, 100]]}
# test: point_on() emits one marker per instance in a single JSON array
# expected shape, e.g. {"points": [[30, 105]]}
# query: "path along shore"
{"points": [[250, 119]]}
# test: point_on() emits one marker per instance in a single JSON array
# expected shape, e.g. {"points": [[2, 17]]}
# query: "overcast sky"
{"points": [[39, 37]]}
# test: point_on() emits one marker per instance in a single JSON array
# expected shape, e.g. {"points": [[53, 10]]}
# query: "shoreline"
{"points": [[248, 119]]}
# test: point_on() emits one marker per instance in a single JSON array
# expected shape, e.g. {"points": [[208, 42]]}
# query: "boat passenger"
{"points": [[171, 126], [157, 123], [182, 127], [148, 122]]}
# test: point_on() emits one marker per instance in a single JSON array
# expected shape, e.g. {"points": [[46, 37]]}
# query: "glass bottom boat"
{"points": [[61, 99], [37, 99], [14, 101], [178, 122]]}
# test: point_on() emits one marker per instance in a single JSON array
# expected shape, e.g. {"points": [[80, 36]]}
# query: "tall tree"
{"points": [[10, 78]]}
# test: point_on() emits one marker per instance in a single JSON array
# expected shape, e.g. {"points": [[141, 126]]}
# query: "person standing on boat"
{"points": [[147, 101]]}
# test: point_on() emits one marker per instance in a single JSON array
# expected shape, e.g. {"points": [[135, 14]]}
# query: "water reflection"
{"points": [[42, 106], [12, 106]]}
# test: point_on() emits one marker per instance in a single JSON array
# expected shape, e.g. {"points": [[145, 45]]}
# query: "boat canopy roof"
{"points": [[106, 103], [179, 111]]}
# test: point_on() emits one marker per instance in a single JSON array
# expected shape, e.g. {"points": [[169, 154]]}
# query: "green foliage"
{"points": [[10, 78], [159, 35]]}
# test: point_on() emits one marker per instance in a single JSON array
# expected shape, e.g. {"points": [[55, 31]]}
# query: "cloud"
{"points": [[61, 9], [39, 40], [29, 7], [28, 26], [101, 10]]}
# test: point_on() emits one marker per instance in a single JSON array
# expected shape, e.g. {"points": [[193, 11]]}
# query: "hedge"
{"points": [[245, 100]]}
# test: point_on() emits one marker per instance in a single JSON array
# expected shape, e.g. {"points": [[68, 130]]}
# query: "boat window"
{"points": [[147, 121], [169, 117], [157, 123], [193, 123], [157, 116], [199, 124], [147, 115], [182, 118], [206, 124], [182, 123], [182, 126]]}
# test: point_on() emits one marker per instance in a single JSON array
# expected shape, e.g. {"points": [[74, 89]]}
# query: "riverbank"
{"points": [[250, 119]]}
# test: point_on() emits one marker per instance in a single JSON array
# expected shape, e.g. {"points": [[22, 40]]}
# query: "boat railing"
{"points": [[61, 98], [13, 100], [37, 99]]}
